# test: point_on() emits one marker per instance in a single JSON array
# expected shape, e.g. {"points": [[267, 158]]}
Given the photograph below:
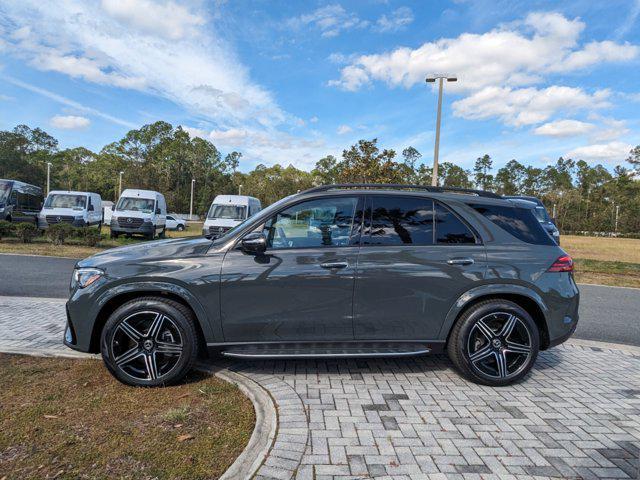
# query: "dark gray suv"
{"points": [[335, 271]]}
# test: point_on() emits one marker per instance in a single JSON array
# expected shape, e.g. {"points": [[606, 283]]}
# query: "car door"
{"points": [[301, 288], [417, 257], [171, 223]]}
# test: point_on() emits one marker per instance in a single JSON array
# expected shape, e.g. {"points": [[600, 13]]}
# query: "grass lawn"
{"points": [[63, 418], [74, 248]]}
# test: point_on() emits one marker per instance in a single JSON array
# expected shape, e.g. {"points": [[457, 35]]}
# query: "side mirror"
{"points": [[254, 243], [158, 212], [113, 207]]}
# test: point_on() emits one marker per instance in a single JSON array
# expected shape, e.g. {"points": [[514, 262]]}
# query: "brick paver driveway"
{"points": [[576, 416]]}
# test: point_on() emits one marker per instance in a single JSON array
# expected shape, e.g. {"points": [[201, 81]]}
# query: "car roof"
{"points": [[70, 192], [441, 193]]}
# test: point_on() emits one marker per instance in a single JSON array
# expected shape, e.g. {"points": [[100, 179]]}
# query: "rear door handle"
{"points": [[334, 265], [460, 261]]}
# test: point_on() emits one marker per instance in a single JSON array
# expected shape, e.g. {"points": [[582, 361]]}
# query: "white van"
{"points": [[139, 212], [80, 209], [227, 211]]}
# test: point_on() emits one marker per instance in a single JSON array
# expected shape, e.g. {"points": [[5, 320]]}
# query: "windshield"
{"points": [[263, 214], [145, 205], [542, 215], [5, 190], [228, 212], [66, 200]]}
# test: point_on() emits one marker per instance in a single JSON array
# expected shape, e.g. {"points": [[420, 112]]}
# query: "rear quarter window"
{"points": [[519, 222]]}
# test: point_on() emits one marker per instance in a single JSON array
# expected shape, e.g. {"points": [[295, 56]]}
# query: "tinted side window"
{"points": [[450, 229], [325, 222], [399, 221], [519, 222]]}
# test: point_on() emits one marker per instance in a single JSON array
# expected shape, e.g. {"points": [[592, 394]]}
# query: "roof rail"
{"points": [[398, 186]]}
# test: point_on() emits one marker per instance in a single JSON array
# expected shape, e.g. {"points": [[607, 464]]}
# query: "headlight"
{"points": [[83, 277]]}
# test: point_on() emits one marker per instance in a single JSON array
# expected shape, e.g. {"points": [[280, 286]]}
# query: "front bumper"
{"points": [[43, 224], [146, 228]]}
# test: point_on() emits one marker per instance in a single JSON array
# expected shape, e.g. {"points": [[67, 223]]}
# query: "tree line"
{"points": [[161, 157]]}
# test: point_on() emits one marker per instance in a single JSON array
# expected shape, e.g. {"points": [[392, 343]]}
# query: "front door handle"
{"points": [[460, 261], [332, 265]]}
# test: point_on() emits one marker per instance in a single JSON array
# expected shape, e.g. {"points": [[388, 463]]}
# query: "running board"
{"points": [[326, 351]]}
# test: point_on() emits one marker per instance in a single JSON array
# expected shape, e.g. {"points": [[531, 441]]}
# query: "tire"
{"points": [[147, 361], [114, 234], [99, 227], [163, 233], [486, 352], [180, 227]]}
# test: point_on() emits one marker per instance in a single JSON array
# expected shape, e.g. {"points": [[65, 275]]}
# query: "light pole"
{"points": [[120, 186], [193, 181], [239, 189], [48, 176], [441, 77], [617, 214]]}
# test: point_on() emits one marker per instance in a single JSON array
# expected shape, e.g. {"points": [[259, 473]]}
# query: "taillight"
{"points": [[562, 264]]}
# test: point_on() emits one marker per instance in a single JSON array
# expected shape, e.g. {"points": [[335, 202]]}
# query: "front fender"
{"points": [[490, 289], [212, 330]]}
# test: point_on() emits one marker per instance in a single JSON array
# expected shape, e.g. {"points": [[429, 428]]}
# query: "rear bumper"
{"points": [[563, 338]]}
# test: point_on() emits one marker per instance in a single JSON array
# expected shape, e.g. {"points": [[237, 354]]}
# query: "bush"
{"points": [[27, 231], [7, 229], [92, 237], [59, 232]]}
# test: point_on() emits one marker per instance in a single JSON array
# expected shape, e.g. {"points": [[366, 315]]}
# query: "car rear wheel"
{"points": [[494, 343], [149, 342], [180, 227]]}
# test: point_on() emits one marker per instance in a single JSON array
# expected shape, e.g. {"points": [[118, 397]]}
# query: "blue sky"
{"points": [[289, 82]]}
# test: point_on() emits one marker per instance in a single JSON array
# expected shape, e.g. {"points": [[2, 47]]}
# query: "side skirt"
{"points": [[353, 349]]}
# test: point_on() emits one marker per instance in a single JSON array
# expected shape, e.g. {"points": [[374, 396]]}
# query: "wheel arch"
{"points": [[125, 293], [526, 298]]}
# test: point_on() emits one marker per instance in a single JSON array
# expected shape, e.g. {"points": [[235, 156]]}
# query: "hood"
{"points": [[62, 211], [221, 222], [144, 252]]}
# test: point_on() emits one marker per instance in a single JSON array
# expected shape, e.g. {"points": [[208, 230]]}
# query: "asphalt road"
{"points": [[607, 314]]}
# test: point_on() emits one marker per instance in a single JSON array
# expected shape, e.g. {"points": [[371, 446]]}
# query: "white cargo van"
{"points": [[227, 211], [139, 212], [80, 209]]}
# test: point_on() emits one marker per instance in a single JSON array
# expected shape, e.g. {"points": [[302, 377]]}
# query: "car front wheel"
{"points": [[149, 342], [494, 343]]}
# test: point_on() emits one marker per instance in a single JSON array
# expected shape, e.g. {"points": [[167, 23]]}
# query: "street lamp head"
{"points": [[121, 173], [449, 77]]}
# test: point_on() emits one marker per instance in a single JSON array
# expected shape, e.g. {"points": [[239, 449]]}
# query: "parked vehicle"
{"points": [[335, 271], [542, 215], [19, 201], [139, 212], [227, 211], [175, 223], [80, 209]]}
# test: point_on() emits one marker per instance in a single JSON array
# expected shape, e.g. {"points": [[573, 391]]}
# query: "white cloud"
{"points": [[612, 152], [69, 122], [314, 119], [397, 20], [564, 128], [167, 19], [199, 71], [344, 129], [271, 146], [510, 55], [526, 106], [331, 20]]}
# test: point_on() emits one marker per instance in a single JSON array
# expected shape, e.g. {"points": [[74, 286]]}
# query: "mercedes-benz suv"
{"points": [[335, 271]]}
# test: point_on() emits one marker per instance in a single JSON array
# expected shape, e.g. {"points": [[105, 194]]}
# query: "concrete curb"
{"points": [[266, 426], [630, 349]]}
